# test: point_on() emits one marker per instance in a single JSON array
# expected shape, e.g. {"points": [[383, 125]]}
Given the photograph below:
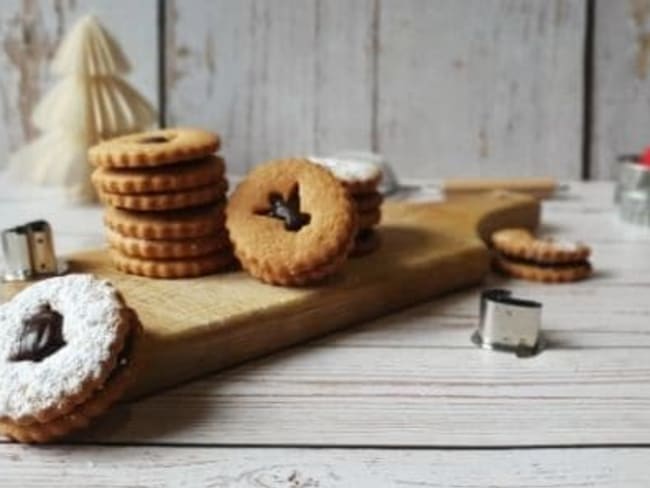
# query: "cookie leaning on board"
{"points": [[163, 190], [70, 350]]}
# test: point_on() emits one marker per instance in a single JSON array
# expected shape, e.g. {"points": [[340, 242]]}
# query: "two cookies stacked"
{"points": [[165, 193], [361, 180]]}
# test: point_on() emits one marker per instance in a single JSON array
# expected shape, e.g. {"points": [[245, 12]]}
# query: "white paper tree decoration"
{"points": [[90, 103]]}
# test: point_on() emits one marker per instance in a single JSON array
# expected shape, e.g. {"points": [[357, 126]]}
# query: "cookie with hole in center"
{"points": [[291, 222], [154, 148], [67, 349], [171, 178]]}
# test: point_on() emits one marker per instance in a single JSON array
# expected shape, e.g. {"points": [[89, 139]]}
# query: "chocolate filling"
{"points": [[287, 210], [153, 140], [529, 262], [41, 336], [365, 234]]}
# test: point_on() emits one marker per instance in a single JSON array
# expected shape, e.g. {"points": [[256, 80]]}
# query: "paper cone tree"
{"points": [[90, 103]]}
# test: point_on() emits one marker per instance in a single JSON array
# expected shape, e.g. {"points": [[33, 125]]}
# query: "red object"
{"points": [[645, 157]]}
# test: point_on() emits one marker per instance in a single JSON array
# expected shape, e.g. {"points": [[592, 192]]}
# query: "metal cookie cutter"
{"points": [[29, 252], [509, 324]]}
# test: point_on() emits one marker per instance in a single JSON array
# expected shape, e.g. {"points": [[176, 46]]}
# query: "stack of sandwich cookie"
{"points": [[521, 255], [69, 349], [165, 193], [361, 180]]}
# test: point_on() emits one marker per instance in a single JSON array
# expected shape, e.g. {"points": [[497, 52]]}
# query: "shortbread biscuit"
{"points": [[557, 273], [291, 222], [366, 242], [61, 342], [154, 148], [367, 202], [121, 378], [357, 176], [173, 268], [369, 219], [167, 249], [157, 202], [523, 245], [177, 224], [170, 178]]}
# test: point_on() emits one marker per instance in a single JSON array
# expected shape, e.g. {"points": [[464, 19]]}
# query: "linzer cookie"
{"points": [[171, 178], [154, 148], [521, 255], [173, 268], [68, 346], [361, 179], [165, 194], [177, 224], [291, 222], [168, 249], [157, 202]]}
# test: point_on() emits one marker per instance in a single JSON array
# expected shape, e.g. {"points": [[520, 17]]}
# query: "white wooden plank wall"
{"points": [[443, 88], [621, 105], [30, 31]]}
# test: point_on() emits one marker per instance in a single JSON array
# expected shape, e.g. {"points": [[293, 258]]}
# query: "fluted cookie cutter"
{"points": [[29, 253], [509, 324]]}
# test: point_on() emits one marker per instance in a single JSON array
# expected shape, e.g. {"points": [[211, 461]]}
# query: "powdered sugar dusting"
{"points": [[349, 170], [91, 316]]}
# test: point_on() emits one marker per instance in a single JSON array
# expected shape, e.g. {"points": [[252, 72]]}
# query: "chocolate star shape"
{"points": [[42, 335], [287, 210]]}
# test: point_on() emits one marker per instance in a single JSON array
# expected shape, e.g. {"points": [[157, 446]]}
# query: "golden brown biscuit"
{"points": [[158, 202], [367, 202], [173, 268], [167, 249], [171, 178], [154, 148], [369, 219], [291, 222], [176, 224], [558, 273], [522, 244]]}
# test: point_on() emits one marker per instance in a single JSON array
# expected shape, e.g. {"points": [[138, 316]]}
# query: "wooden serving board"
{"points": [[194, 326]]}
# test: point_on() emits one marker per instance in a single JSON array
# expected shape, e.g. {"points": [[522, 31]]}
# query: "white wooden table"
{"points": [[404, 401]]}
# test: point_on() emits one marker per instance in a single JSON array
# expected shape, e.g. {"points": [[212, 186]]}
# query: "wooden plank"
{"points": [[275, 79], [30, 32], [303, 76], [621, 83], [481, 87], [154, 467]]}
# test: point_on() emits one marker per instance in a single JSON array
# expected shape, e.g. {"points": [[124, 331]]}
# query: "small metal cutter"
{"points": [[29, 252], [509, 324]]}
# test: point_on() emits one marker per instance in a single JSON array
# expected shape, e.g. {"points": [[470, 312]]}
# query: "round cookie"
{"points": [[61, 340], [154, 148], [167, 249], [357, 176], [172, 268], [177, 224], [291, 222], [366, 242], [546, 274], [522, 244], [121, 378], [172, 178], [369, 219], [367, 202], [157, 202]]}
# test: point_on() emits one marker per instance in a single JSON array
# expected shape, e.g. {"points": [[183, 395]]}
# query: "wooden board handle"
{"points": [[538, 187]]}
